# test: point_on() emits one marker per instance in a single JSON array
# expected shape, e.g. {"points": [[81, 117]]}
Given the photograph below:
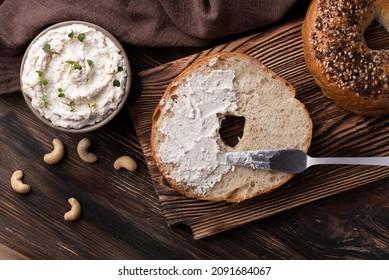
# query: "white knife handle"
{"points": [[381, 161]]}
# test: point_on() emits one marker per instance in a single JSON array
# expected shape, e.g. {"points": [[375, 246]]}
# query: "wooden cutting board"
{"points": [[336, 133]]}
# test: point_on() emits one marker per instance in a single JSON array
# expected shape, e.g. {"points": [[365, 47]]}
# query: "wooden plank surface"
{"points": [[336, 133], [7, 254], [112, 215], [122, 217]]}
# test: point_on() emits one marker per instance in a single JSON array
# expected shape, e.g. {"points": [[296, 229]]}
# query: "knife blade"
{"points": [[291, 160]]}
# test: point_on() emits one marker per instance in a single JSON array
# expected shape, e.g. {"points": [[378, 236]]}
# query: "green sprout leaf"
{"points": [[61, 93], [41, 80], [119, 69], [40, 73], [77, 66], [74, 66], [43, 102], [116, 83], [90, 63], [47, 48], [81, 37], [92, 106], [72, 105]]}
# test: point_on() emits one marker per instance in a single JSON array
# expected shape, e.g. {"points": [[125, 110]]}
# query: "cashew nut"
{"points": [[57, 154], [82, 150], [74, 212], [125, 162], [17, 183]]}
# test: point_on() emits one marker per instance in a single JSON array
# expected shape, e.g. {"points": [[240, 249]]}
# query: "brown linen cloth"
{"points": [[152, 23]]}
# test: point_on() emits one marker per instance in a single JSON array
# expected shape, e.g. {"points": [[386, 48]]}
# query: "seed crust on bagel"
{"points": [[344, 67]]}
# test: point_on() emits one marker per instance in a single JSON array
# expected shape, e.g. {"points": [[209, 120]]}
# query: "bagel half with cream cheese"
{"points": [[185, 139], [350, 73]]}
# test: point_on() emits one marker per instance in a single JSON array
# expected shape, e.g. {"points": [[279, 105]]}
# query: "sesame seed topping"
{"points": [[339, 47]]}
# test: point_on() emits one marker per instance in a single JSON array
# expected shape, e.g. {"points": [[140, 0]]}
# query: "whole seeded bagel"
{"points": [[185, 138], [344, 67]]}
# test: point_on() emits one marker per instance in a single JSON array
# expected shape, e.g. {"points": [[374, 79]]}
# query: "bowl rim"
{"points": [[101, 123]]}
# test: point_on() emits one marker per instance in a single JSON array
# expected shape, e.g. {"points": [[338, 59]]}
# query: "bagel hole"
{"points": [[231, 129], [373, 36]]}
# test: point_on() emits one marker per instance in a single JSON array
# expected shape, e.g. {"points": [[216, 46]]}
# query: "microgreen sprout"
{"points": [[77, 66], [91, 106], [116, 83], [61, 93], [90, 63], [80, 37], [47, 49], [119, 69], [43, 102], [41, 80], [72, 105], [74, 66]]}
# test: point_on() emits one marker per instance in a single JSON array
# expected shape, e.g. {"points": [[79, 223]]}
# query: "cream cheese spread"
{"points": [[191, 126], [74, 75]]}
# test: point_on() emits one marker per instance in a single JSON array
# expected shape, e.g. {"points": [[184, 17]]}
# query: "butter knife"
{"points": [[291, 160]]}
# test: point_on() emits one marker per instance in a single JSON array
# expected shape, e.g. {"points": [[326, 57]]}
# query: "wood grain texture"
{"points": [[8, 254], [122, 217], [336, 133]]}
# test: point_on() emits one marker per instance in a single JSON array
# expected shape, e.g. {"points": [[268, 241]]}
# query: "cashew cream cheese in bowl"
{"points": [[75, 76]]}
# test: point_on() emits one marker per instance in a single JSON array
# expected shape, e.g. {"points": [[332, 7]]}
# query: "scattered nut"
{"points": [[57, 154], [125, 162], [74, 212], [17, 183], [82, 150]]}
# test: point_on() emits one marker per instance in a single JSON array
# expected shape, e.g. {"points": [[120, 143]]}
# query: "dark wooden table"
{"points": [[122, 217]]}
